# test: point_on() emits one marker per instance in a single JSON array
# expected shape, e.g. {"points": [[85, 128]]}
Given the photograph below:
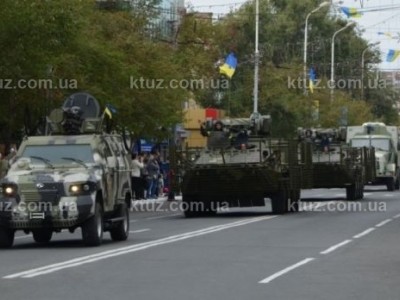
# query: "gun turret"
{"points": [[80, 114]]}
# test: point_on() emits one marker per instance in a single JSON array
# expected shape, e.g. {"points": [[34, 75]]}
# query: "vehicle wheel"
{"points": [[390, 184], [121, 231], [279, 202], [294, 201], [210, 209], [6, 237], [351, 192], [359, 189], [42, 235], [397, 184], [92, 229], [361, 193], [190, 208]]}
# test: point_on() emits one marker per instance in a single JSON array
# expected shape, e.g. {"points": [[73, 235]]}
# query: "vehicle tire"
{"points": [[390, 184], [121, 231], [190, 207], [42, 235], [397, 184], [351, 192], [92, 229], [360, 188], [361, 193], [210, 210], [279, 202], [6, 237]]}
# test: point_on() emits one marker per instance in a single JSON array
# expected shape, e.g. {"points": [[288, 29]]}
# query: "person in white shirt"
{"points": [[137, 165]]}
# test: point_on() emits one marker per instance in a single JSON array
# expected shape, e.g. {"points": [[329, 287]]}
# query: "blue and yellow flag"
{"points": [[110, 110], [312, 79], [392, 55], [229, 67], [351, 12], [388, 34]]}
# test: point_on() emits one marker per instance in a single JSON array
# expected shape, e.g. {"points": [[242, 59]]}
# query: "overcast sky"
{"points": [[372, 22]]}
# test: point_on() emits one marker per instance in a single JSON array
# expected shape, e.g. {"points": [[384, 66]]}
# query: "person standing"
{"points": [[137, 166], [145, 178], [153, 169]]}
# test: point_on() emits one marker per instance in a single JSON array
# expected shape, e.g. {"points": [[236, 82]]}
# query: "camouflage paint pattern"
{"points": [[43, 197]]}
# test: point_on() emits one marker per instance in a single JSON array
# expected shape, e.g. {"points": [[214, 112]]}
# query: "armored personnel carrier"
{"points": [[240, 167], [337, 165], [75, 176]]}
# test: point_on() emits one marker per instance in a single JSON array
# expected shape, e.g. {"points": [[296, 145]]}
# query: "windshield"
{"points": [[382, 144], [57, 154]]}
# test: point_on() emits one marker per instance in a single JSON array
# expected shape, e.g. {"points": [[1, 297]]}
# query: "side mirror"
{"points": [[111, 162]]}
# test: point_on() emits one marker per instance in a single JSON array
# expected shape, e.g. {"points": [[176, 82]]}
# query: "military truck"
{"points": [[385, 140], [337, 165], [240, 167], [75, 176]]}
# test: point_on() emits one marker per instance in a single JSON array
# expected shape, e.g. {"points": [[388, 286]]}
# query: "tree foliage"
{"points": [[113, 55]]}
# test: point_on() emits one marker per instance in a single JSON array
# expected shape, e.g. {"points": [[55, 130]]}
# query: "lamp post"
{"points": [[323, 4], [255, 114], [362, 67], [332, 81]]}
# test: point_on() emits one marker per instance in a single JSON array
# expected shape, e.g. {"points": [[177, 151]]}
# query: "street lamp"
{"points": [[323, 4], [332, 81], [362, 67]]}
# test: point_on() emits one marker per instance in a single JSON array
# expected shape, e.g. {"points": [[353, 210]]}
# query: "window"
{"points": [[381, 144], [54, 153]]}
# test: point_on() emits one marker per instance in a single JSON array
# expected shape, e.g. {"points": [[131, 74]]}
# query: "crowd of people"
{"points": [[147, 176]]}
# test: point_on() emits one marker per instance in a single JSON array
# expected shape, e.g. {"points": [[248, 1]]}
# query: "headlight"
{"points": [[82, 188], [9, 190]]}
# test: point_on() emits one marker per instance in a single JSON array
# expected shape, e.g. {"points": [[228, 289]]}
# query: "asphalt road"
{"points": [[332, 249]]}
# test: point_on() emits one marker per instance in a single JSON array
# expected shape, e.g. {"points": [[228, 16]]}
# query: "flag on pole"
{"points": [[351, 12], [110, 110], [392, 55], [312, 80], [388, 34], [229, 67]]}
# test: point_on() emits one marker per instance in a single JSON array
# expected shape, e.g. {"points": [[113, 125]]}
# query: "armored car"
{"points": [[76, 176]]}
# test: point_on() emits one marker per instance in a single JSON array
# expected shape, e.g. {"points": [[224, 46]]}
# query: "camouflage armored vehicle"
{"points": [[337, 165], [76, 176], [240, 167]]}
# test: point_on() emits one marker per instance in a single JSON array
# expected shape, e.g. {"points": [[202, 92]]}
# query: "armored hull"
{"points": [[232, 177]]}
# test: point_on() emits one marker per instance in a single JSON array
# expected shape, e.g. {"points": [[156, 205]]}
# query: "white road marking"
{"points": [[365, 232], [388, 195], [333, 248], [139, 230], [286, 270], [396, 216], [367, 194], [130, 249], [383, 222]]}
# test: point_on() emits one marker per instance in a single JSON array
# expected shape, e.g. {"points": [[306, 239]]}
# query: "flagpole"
{"points": [[255, 114]]}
